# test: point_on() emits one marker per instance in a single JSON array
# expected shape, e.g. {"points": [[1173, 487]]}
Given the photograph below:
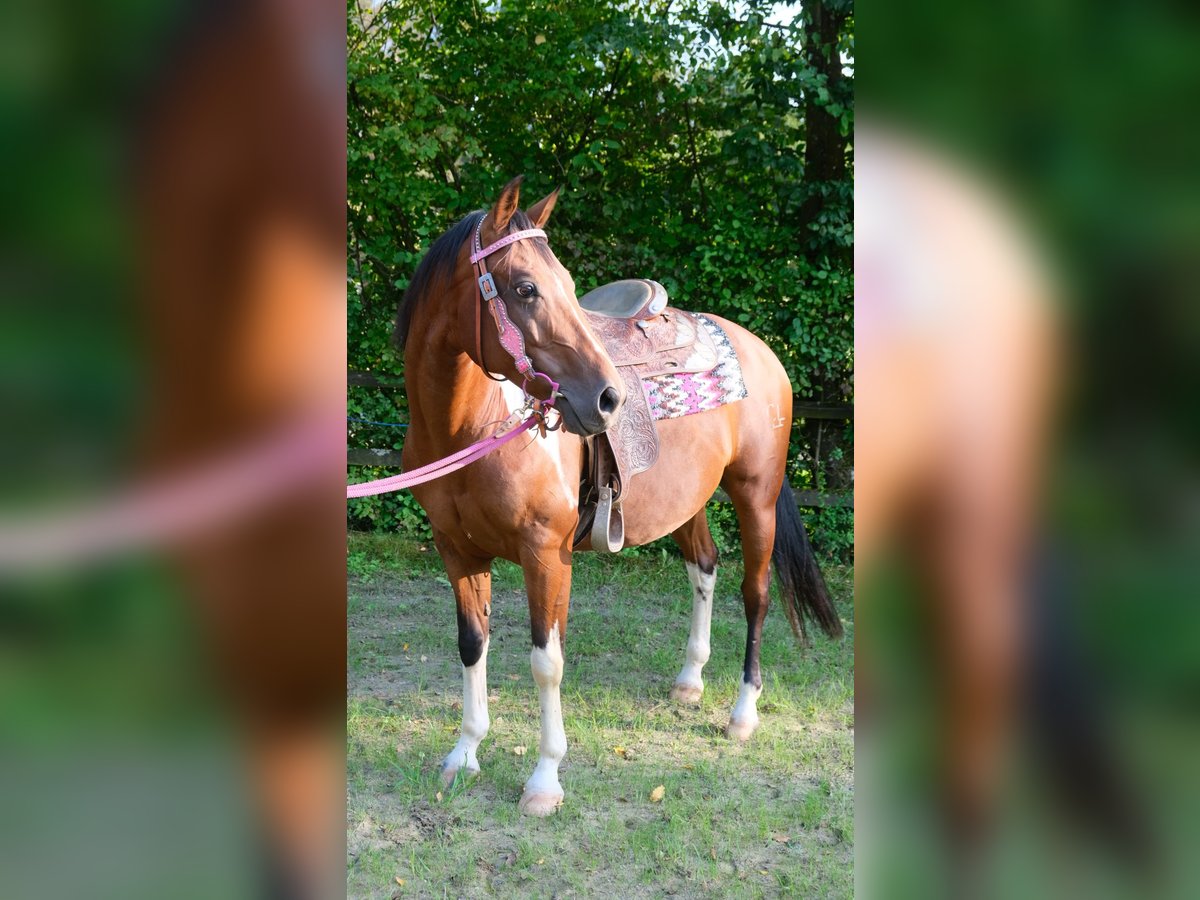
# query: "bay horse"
{"points": [[463, 376]]}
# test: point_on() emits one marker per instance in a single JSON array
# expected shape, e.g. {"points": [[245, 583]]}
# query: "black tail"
{"points": [[800, 579], [1072, 726]]}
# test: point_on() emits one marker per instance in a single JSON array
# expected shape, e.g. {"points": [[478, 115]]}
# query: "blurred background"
{"points": [[172, 605], [1028, 217]]}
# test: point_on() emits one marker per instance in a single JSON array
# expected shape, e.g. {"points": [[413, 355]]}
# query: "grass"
{"points": [[773, 817]]}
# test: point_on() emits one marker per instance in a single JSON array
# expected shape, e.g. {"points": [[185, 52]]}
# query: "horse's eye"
{"points": [[525, 290]]}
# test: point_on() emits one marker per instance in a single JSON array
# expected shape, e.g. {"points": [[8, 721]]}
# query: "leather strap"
{"points": [[480, 270], [511, 338], [480, 255]]}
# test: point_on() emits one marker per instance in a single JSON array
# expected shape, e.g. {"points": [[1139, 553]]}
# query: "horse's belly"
{"points": [[693, 454]]}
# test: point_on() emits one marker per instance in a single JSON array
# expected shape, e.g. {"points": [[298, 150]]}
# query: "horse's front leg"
{"points": [[471, 579], [548, 584]]}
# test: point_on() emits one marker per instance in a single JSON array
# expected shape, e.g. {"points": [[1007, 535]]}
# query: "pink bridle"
{"points": [[511, 338], [513, 343]]}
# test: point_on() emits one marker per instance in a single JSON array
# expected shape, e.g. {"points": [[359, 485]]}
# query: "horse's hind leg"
{"points": [[754, 499], [471, 579], [700, 557]]}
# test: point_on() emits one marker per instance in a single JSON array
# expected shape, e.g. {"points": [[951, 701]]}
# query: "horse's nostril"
{"points": [[609, 401]]}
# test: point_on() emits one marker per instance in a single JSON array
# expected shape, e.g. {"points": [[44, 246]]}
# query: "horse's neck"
{"points": [[452, 403], [450, 399]]}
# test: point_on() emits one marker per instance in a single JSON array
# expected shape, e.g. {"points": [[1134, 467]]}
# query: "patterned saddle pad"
{"points": [[673, 395], [670, 395]]}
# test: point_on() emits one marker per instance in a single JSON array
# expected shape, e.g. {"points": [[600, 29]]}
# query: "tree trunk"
{"points": [[824, 145]]}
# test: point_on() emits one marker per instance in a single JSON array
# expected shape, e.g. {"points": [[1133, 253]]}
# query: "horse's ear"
{"points": [[540, 211], [507, 204]]}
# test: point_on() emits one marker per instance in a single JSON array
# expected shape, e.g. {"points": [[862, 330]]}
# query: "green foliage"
{"points": [[398, 510], [722, 522], [679, 135], [831, 531]]}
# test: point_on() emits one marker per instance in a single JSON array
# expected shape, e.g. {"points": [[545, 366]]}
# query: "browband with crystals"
{"points": [[503, 242]]}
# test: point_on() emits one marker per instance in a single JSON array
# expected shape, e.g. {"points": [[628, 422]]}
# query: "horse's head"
{"points": [[539, 298]]}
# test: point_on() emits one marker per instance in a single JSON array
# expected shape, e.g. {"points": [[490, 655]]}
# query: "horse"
{"points": [[463, 375]]}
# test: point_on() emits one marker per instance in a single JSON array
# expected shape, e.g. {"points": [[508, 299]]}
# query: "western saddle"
{"points": [[644, 338]]}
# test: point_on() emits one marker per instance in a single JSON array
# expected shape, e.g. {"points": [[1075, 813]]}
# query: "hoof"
{"points": [[448, 775], [686, 693], [740, 731], [540, 804]]}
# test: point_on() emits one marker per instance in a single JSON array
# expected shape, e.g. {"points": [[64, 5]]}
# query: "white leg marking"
{"points": [[745, 713], [475, 721], [543, 794], [689, 686]]}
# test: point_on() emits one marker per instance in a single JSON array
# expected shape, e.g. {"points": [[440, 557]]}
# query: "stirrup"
{"points": [[608, 529]]}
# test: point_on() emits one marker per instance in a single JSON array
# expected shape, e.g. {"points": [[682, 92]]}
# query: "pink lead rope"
{"points": [[437, 469], [514, 344]]}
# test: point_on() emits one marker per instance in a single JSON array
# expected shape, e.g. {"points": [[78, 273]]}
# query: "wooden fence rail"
{"points": [[357, 456], [801, 409]]}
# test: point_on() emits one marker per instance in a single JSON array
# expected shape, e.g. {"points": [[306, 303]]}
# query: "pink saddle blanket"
{"points": [[671, 396]]}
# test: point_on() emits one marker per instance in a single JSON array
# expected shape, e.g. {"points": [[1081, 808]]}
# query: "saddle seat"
{"points": [[630, 298], [644, 338]]}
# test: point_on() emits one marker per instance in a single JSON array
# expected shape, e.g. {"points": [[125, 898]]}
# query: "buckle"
{"points": [[487, 286]]}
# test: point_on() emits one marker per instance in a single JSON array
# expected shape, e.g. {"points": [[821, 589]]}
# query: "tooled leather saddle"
{"points": [[644, 338]]}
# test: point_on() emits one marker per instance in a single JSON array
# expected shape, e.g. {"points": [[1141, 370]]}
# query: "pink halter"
{"points": [[513, 343], [511, 338]]}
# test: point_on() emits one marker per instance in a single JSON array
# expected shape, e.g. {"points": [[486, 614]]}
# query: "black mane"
{"points": [[438, 265]]}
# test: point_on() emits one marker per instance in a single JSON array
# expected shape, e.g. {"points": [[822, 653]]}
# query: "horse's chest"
{"points": [[497, 506]]}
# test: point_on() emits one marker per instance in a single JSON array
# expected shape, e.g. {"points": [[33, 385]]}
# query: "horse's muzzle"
{"points": [[595, 416]]}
